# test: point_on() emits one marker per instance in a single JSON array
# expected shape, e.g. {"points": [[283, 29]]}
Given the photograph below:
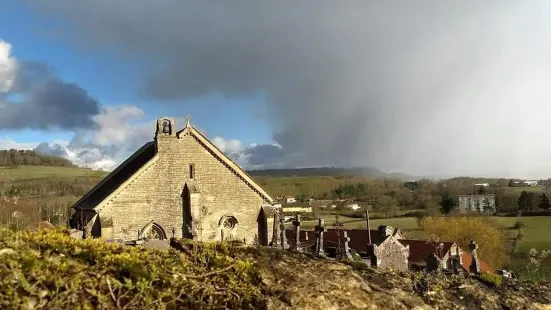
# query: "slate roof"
{"points": [[118, 176], [419, 250]]}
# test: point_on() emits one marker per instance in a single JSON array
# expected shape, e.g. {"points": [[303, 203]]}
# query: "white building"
{"points": [[477, 203], [353, 206], [531, 183], [482, 184], [290, 199]]}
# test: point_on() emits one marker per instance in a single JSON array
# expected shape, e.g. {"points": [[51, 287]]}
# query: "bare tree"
{"points": [[386, 204]]}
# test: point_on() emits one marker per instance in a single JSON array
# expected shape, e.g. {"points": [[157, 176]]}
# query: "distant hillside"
{"points": [[329, 171], [14, 158]]}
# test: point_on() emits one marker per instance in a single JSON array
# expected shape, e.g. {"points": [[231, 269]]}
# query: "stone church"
{"points": [[178, 185]]}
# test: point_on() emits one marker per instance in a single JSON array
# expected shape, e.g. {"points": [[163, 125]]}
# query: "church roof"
{"points": [[118, 176], [144, 155]]}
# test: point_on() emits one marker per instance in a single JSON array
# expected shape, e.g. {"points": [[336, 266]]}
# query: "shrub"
{"points": [[416, 214], [520, 234], [518, 225], [490, 279], [492, 241]]}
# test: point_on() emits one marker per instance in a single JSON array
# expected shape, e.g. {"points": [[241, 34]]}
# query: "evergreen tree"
{"points": [[447, 203], [511, 183], [544, 202], [497, 202], [523, 201]]}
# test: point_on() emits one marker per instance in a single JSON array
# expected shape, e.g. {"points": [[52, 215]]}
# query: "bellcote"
{"points": [[166, 127]]}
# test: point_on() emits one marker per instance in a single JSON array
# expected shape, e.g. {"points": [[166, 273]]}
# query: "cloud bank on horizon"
{"points": [[427, 88]]}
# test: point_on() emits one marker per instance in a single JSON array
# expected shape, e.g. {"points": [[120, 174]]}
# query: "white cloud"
{"points": [[8, 67], [114, 127], [8, 143]]}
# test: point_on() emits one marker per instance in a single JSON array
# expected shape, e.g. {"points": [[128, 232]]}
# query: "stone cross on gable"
{"points": [[475, 263], [320, 229], [284, 244], [296, 224], [187, 120]]}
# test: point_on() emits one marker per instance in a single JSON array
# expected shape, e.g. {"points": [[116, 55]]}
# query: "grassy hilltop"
{"points": [[50, 270], [24, 172]]}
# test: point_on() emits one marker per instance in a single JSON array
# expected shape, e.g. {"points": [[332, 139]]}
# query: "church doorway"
{"points": [[187, 231], [262, 227], [157, 233]]}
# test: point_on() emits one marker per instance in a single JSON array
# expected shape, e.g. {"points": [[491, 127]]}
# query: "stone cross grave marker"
{"points": [[320, 229], [346, 247], [338, 226], [283, 238], [433, 263], [475, 264], [296, 224], [276, 230]]}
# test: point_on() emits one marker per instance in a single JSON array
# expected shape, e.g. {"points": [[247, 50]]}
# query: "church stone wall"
{"points": [[156, 195]]}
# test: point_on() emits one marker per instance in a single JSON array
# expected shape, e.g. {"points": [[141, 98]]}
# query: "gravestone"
{"points": [[347, 253], [320, 229], [475, 263], [276, 230], [372, 253], [296, 224], [433, 263], [284, 244]]}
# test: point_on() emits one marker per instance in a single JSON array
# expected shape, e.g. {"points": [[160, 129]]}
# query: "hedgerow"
{"points": [[51, 270]]}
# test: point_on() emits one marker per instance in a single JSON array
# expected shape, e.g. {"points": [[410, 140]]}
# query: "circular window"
{"points": [[229, 222]]}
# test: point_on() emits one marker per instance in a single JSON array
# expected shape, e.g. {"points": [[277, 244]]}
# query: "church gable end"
{"points": [[185, 185], [228, 163]]}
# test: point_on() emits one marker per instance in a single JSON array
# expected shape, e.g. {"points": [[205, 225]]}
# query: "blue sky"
{"points": [[32, 38], [401, 86]]}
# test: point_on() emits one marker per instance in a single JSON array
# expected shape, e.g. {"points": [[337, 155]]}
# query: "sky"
{"points": [[425, 88]]}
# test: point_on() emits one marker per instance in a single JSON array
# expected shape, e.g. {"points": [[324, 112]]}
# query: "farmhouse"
{"points": [[531, 183], [178, 185]]}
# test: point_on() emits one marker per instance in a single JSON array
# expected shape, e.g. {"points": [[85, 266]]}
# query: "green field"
{"points": [[518, 190], [40, 172]]}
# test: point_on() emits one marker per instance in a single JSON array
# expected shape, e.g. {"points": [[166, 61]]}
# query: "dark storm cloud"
{"points": [[426, 87], [44, 101], [265, 155], [54, 149]]}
